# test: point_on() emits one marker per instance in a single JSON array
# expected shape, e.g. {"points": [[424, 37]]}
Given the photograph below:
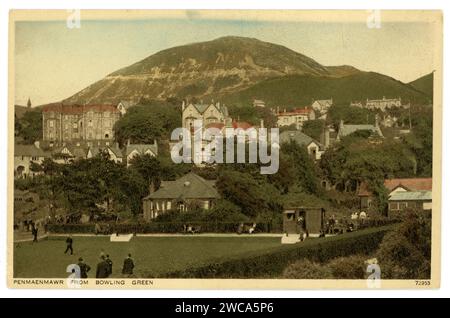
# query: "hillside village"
{"points": [[73, 133], [355, 151]]}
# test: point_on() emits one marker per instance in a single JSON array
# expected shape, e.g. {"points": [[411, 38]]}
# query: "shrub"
{"points": [[349, 267], [305, 269]]}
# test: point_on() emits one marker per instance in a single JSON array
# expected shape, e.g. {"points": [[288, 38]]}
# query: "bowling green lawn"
{"points": [[153, 256]]}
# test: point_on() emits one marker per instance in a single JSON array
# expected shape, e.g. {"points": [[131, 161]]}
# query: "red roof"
{"points": [[242, 125], [78, 109], [296, 111], [215, 125], [411, 184]]}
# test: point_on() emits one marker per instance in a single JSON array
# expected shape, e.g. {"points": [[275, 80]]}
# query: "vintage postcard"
{"points": [[224, 149]]}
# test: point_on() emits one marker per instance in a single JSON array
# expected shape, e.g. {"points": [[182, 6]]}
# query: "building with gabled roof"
{"points": [[345, 129], [189, 191], [394, 186], [314, 148], [295, 117], [134, 150], [24, 156], [208, 113]]}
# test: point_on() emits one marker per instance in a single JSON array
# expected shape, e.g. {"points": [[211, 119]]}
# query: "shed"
{"points": [[306, 219]]}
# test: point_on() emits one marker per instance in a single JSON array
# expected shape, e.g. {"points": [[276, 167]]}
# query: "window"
{"points": [[402, 205], [50, 123], [393, 206], [107, 123], [169, 205], [90, 124], [75, 125], [106, 114]]}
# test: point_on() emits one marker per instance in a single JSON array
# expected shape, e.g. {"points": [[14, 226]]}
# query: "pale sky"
{"points": [[52, 62]]}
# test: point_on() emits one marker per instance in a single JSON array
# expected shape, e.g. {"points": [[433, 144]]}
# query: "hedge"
{"points": [[161, 227], [271, 263]]}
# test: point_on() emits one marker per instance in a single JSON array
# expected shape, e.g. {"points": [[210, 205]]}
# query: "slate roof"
{"points": [[410, 184], [411, 196], [297, 136], [141, 148], [29, 151], [190, 186], [345, 130], [78, 109], [201, 108]]}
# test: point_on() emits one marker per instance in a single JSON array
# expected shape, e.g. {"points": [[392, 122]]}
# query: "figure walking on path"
{"points": [[69, 242], [34, 231]]}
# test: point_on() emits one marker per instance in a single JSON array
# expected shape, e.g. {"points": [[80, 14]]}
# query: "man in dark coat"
{"points": [[34, 231], [128, 266], [110, 264], [69, 242], [84, 268], [102, 269]]}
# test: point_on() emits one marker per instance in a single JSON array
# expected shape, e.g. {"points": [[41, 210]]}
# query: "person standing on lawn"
{"points": [[69, 242], [128, 266], [84, 268], [102, 268], [110, 264]]}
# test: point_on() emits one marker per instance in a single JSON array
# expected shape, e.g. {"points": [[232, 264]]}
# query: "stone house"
{"points": [[295, 117], [188, 192], [24, 156], [314, 148], [394, 186]]}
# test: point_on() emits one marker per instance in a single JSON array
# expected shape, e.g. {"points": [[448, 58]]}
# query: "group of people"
{"points": [[104, 267]]}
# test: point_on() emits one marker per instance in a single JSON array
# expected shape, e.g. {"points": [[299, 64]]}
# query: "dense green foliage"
{"points": [[406, 252], [314, 128], [28, 128], [145, 123]]}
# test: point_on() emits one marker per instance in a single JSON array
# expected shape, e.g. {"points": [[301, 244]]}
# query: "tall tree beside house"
{"points": [[296, 158], [252, 196], [28, 128], [420, 141], [156, 169], [145, 123], [314, 128], [354, 160], [350, 115]]}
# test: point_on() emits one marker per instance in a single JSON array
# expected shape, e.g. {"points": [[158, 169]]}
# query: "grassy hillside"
{"points": [[424, 84], [299, 90]]}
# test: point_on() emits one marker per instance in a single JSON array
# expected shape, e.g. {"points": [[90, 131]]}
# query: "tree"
{"points": [[29, 127], [145, 123], [405, 253], [251, 195], [314, 128], [350, 115]]}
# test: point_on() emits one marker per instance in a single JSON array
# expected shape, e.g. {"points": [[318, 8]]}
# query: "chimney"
{"points": [[261, 125], [183, 105], [128, 142], [151, 187]]}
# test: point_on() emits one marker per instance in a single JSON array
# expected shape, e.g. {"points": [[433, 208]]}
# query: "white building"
{"points": [[295, 117]]}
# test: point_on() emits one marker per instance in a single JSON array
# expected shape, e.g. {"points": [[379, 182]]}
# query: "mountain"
{"points": [[213, 68], [424, 84], [237, 70], [300, 90]]}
